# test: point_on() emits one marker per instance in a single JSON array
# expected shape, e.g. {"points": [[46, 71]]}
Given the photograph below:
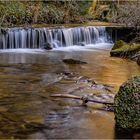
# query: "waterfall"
{"points": [[13, 38]]}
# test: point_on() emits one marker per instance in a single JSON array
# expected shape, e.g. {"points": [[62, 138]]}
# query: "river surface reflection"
{"points": [[28, 79]]}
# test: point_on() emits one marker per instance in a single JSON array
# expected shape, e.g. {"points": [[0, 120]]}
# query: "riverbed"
{"points": [[28, 77]]}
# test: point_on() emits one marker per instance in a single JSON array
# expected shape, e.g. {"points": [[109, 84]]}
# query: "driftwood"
{"points": [[84, 99]]}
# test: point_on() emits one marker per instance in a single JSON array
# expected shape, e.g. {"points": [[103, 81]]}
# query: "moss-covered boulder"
{"points": [[125, 50], [118, 44], [127, 105]]}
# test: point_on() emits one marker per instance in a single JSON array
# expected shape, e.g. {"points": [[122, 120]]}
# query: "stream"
{"points": [[29, 76]]}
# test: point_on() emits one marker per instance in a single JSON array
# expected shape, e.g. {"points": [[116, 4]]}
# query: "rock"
{"points": [[81, 44], [48, 46], [130, 51], [73, 61], [126, 51], [127, 105]]}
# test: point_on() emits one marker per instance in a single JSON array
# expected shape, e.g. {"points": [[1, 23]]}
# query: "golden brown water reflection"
{"points": [[27, 80]]}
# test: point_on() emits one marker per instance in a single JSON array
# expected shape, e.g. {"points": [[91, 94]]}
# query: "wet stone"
{"points": [[73, 61]]}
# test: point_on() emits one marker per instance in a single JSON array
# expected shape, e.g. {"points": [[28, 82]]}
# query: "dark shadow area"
{"points": [[126, 34], [126, 134]]}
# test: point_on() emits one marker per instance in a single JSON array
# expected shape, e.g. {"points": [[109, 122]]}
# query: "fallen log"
{"points": [[84, 99]]}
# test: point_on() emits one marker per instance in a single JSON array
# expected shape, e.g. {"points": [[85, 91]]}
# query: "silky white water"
{"points": [[34, 38]]}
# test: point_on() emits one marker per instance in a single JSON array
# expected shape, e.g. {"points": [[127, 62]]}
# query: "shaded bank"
{"points": [[127, 34]]}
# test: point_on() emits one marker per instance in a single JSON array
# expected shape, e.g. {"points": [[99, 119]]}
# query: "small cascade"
{"points": [[13, 38]]}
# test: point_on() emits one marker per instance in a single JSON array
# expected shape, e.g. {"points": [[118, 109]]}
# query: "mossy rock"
{"points": [[126, 51], [118, 44], [127, 105]]}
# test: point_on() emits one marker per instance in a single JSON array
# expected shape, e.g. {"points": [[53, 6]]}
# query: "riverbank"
{"points": [[20, 13], [91, 23]]}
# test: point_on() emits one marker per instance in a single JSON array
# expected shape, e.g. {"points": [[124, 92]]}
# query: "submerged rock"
{"points": [[73, 61], [127, 105]]}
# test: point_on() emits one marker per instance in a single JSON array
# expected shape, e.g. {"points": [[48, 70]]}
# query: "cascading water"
{"points": [[14, 38]]}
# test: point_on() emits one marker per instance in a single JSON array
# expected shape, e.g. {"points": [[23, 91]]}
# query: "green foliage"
{"points": [[83, 6], [49, 12], [14, 12], [52, 14]]}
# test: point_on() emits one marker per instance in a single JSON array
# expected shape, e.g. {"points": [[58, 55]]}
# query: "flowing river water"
{"points": [[29, 75]]}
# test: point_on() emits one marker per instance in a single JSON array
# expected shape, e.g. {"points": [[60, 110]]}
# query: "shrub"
{"points": [[52, 14], [14, 12]]}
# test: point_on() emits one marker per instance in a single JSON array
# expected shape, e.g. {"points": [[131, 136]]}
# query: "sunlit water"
{"points": [[29, 77]]}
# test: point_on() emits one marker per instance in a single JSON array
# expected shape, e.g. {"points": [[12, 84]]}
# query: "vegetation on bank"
{"points": [[38, 12], [15, 13]]}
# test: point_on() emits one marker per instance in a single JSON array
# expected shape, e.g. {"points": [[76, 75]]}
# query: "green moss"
{"points": [[126, 50], [127, 104], [14, 12], [118, 44]]}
